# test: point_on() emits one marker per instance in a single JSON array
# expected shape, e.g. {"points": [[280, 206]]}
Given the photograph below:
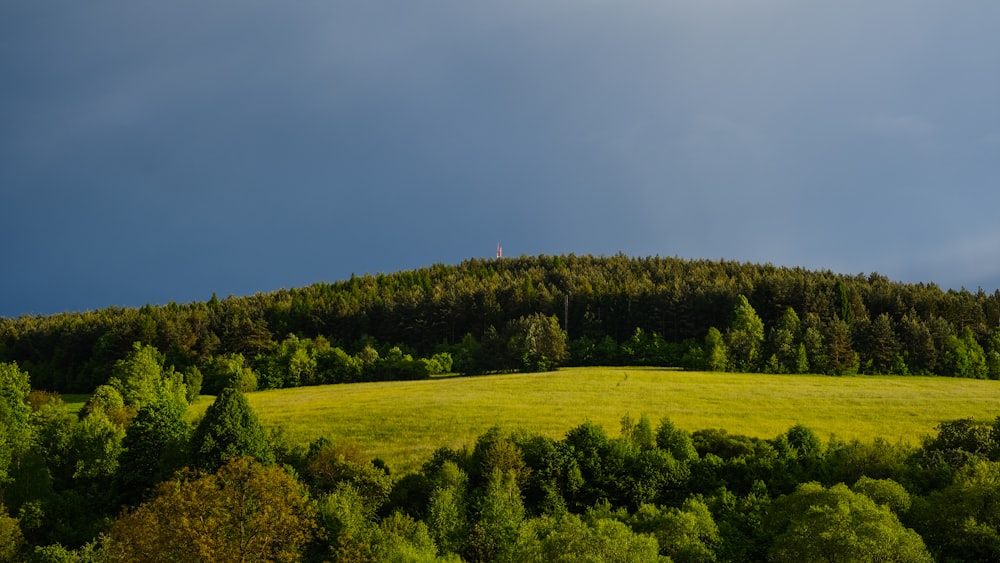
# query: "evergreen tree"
{"points": [[229, 429], [842, 358]]}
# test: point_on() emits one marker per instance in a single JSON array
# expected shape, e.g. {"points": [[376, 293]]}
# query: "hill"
{"points": [[615, 310]]}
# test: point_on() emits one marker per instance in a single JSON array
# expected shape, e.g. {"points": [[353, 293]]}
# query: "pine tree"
{"points": [[230, 429]]}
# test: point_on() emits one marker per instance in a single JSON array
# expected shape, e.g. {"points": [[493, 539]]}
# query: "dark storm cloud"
{"points": [[165, 151]]}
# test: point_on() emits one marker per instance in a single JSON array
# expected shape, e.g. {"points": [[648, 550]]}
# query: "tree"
{"points": [[784, 344], [327, 466], [447, 511], [243, 512], [229, 370], [881, 351], [154, 447], [841, 357], [745, 337], [676, 441], [11, 538], [815, 347], [15, 431], [964, 357], [716, 355], [109, 400], [962, 521], [229, 429], [537, 342], [885, 492], [141, 379], [839, 525], [501, 514], [569, 538], [687, 534]]}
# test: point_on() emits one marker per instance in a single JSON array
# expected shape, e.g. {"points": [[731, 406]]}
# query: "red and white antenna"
{"points": [[499, 251]]}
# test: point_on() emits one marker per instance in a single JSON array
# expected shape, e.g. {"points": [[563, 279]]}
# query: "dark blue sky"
{"points": [[163, 151]]}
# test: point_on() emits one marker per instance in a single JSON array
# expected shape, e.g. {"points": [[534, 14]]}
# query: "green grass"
{"points": [[75, 401], [403, 422]]}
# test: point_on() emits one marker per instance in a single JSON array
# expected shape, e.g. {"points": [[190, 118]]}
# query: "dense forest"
{"points": [[130, 478], [476, 318]]}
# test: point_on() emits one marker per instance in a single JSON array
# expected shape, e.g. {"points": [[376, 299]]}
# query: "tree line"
{"points": [[698, 314], [128, 479]]}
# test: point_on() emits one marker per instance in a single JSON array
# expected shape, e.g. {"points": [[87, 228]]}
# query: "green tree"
{"points": [[964, 357], [95, 444], [885, 492], [154, 446], [109, 400], [841, 357], [815, 347], [676, 441], [784, 341], [881, 351], [447, 512], [229, 370], [327, 466], [745, 337], [716, 354], [569, 538], [141, 379], [15, 431], [687, 534], [494, 535], [537, 342], [962, 521], [839, 525], [229, 429]]}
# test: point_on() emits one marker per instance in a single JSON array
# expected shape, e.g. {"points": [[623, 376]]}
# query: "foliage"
{"points": [[570, 538], [11, 539], [836, 524], [141, 378], [745, 337], [14, 415], [651, 311], [153, 448], [229, 429], [243, 512], [687, 534], [494, 535]]}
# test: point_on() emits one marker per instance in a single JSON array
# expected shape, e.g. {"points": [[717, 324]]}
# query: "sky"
{"points": [[164, 151]]}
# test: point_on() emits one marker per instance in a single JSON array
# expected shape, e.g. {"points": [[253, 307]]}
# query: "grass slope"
{"points": [[403, 422]]}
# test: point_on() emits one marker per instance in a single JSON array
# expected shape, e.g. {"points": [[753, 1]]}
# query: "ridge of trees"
{"points": [[476, 317]]}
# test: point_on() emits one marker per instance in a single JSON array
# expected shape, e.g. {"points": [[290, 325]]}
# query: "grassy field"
{"points": [[403, 422]]}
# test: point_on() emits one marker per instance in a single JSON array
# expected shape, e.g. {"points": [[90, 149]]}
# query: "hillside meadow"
{"points": [[404, 422]]}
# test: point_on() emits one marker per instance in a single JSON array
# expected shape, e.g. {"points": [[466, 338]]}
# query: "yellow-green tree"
{"points": [[246, 511]]}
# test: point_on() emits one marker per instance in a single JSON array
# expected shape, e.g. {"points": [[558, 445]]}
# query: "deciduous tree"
{"points": [[245, 511], [745, 337]]}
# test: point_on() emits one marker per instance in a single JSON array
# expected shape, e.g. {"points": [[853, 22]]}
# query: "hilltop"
{"points": [[613, 309]]}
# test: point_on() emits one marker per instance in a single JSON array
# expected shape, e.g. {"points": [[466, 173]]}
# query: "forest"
{"points": [[132, 478], [613, 310]]}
